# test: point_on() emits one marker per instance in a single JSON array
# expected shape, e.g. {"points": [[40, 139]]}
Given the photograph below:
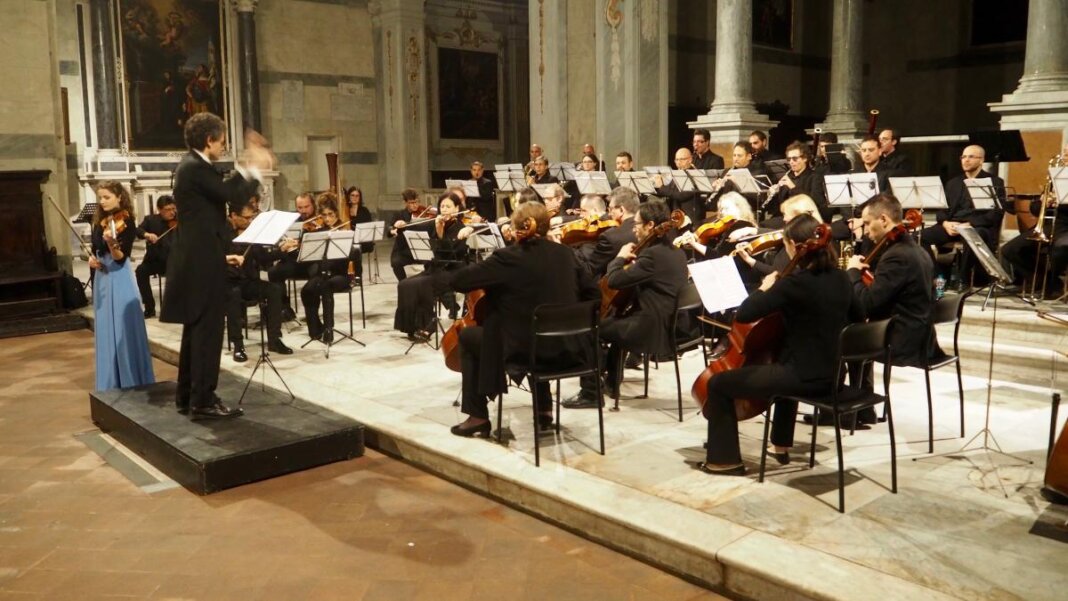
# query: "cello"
{"points": [[475, 308], [618, 302], [756, 343]]}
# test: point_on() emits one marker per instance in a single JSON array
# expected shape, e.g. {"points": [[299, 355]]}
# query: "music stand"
{"points": [[485, 239], [422, 248], [510, 181], [1058, 177], [983, 194], [265, 230], [86, 214], [593, 182], [370, 232], [776, 169], [662, 171], [469, 186], [743, 180], [545, 190], [639, 181], [328, 246], [999, 278], [703, 179], [564, 172]]}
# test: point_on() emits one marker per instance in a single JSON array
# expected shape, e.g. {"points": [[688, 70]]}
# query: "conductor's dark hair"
{"points": [[802, 229], [654, 211], [409, 194], [703, 133], [884, 204], [202, 127], [164, 200]]}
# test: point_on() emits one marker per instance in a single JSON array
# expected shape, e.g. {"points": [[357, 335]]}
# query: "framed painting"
{"points": [[773, 23], [468, 95], [173, 67]]}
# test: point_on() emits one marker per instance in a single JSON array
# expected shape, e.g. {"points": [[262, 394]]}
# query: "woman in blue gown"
{"points": [[122, 357]]}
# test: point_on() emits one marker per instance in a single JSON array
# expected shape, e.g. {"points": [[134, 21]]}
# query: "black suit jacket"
{"points": [[659, 273], [809, 182], [901, 290], [400, 247], [815, 308], [962, 209], [196, 271], [708, 160], [517, 279], [597, 256], [899, 163], [158, 252]]}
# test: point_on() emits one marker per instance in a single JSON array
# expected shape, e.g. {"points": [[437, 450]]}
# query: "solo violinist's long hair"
{"points": [[120, 192], [801, 229]]}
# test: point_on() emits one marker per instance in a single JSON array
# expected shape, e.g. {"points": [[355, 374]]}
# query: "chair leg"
{"points": [[841, 461], [645, 395], [812, 448], [930, 413], [678, 386], [764, 446], [351, 330], [537, 451], [893, 449], [363, 306], [600, 411], [960, 393], [159, 286], [558, 406], [500, 410]]}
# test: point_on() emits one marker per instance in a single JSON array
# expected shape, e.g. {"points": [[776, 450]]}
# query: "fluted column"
{"points": [[105, 89], [1041, 99], [733, 113], [846, 115], [248, 71], [548, 78]]}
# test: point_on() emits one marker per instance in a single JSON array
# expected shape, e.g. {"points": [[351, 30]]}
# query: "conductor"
{"points": [[196, 273]]}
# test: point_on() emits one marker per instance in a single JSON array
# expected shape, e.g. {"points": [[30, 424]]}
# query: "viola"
{"points": [[618, 302], [584, 230], [893, 235], [756, 343]]}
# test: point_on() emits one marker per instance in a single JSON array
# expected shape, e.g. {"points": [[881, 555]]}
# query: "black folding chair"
{"points": [[946, 310]]}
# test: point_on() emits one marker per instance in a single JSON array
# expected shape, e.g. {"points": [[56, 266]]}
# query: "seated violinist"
{"points": [[623, 203], [244, 284], [516, 280], [734, 220], [656, 275], [901, 288], [816, 302], [401, 256], [754, 267], [156, 231], [326, 277], [416, 295]]}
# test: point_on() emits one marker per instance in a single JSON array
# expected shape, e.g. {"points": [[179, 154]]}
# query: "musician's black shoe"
{"points": [[328, 335], [467, 429], [239, 353], [738, 470], [454, 313], [216, 411], [182, 404], [782, 458], [580, 401], [150, 312], [634, 361], [545, 422], [288, 314], [420, 336], [277, 346]]}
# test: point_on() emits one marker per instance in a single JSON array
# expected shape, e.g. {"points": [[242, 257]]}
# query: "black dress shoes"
{"points": [[782, 458], [239, 353], [634, 361], [738, 470], [288, 314], [182, 405], [328, 335], [150, 313], [216, 411], [471, 430], [580, 401], [277, 346]]}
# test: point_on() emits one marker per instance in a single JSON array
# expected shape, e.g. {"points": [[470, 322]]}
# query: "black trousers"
{"points": [[286, 269], [198, 361], [1022, 254], [474, 403], [621, 335], [758, 382], [143, 274], [398, 260], [259, 291], [318, 290]]}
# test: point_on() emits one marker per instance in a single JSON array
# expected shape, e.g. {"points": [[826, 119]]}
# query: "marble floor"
{"points": [[961, 526]]}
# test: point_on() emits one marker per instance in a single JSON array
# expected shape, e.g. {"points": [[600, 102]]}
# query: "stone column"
{"points": [[105, 89], [846, 116], [632, 81], [732, 114], [248, 72], [1041, 98], [399, 29], [548, 78]]}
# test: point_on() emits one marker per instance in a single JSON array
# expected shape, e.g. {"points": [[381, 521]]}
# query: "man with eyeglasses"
{"points": [[623, 203], [244, 284], [801, 179], [688, 201], [703, 157], [987, 222], [893, 159]]}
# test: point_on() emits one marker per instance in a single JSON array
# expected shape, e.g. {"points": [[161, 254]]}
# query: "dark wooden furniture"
{"points": [[29, 275]]}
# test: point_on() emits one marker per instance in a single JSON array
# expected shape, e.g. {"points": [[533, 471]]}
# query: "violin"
{"points": [[115, 222], [173, 223], [421, 211], [893, 235], [706, 232], [472, 218], [314, 224], [584, 230], [761, 243], [756, 343]]}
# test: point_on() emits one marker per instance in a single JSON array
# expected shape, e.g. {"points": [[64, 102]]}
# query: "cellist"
{"points": [[816, 301], [516, 279]]}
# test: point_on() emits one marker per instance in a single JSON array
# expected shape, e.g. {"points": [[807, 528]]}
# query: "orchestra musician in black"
{"points": [[157, 232]]}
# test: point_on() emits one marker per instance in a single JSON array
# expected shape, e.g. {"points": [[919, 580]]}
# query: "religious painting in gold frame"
{"points": [[173, 55], [773, 23]]}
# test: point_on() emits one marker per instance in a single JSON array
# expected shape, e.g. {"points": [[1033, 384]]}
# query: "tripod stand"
{"points": [[339, 336], [265, 358]]}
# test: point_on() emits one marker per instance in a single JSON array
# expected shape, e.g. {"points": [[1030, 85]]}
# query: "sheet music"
{"points": [[469, 186], [545, 190], [981, 191], [487, 238], [419, 244], [639, 181], [979, 248], [702, 179], [1059, 177], [593, 182], [267, 228], [919, 192], [563, 171], [718, 283], [862, 185], [313, 246], [661, 170], [372, 231], [743, 179], [509, 167], [682, 181]]}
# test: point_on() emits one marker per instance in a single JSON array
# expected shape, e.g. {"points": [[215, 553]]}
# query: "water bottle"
{"points": [[940, 286]]}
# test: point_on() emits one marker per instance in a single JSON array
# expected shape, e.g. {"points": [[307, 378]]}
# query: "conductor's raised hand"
{"points": [[257, 152]]}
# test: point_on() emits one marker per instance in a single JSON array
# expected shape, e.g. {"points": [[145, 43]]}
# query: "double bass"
{"points": [[618, 302], [756, 343]]}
